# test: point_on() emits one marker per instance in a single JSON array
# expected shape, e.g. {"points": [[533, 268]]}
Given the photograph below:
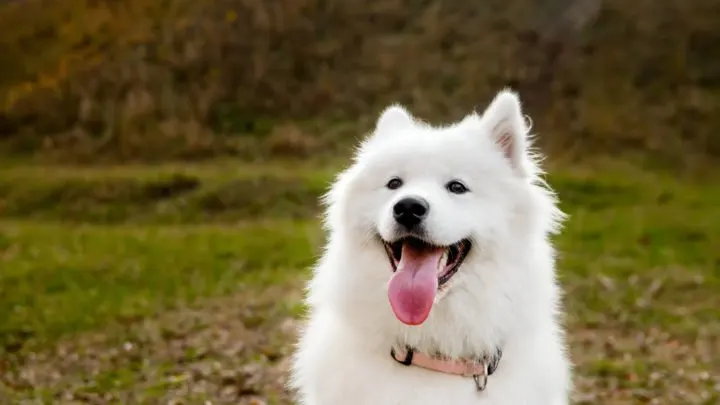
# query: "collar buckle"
{"points": [[481, 379]]}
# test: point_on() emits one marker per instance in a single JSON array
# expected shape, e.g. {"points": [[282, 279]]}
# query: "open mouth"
{"points": [[447, 259], [420, 270]]}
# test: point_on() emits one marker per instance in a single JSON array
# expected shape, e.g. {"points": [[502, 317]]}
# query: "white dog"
{"points": [[437, 285]]}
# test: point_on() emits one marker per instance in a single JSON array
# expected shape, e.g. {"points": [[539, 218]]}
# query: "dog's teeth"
{"points": [[443, 260]]}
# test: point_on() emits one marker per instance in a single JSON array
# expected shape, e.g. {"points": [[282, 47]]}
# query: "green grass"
{"points": [[101, 257], [220, 192], [58, 280]]}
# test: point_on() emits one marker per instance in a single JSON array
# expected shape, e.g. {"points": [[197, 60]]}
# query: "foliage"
{"points": [[153, 80]]}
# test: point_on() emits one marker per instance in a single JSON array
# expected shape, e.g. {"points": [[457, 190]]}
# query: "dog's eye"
{"points": [[394, 183], [456, 187]]}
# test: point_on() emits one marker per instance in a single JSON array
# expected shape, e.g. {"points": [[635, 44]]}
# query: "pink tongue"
{"points": [[413, 286]]}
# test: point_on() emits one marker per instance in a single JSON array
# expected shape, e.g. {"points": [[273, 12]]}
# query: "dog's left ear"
{"points": [[507, 126]]}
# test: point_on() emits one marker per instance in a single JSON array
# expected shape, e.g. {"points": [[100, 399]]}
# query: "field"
{"points": [[161, 163], [178, 282]]}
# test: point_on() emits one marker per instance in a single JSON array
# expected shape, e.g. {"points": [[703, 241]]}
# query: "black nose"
{"points": [[410, 211]]}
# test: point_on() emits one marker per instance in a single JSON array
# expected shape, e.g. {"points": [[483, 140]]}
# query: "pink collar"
{"points": [[478, 370]]}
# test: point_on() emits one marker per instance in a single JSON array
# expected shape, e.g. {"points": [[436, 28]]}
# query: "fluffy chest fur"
{"points": [[346, 371], [344, 354]]}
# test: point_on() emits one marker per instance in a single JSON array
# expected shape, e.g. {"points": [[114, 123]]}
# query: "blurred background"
{"points": [[161, 164]]}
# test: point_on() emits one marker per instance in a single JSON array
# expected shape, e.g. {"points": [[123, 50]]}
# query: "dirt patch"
{"points": [[226, 351], [235, 351], [644, 366]]}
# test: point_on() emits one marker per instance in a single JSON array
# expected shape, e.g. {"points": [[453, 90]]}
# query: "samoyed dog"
{"points": [[437, 284]]}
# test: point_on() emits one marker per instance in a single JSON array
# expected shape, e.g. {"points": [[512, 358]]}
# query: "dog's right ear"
{"points": [[392, 118]]}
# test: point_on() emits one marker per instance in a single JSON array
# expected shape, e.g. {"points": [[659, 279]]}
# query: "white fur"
{"points": [[504, 294]]}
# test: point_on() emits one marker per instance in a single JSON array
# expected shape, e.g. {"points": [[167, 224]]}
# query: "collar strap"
{"points": [[478, 370]]}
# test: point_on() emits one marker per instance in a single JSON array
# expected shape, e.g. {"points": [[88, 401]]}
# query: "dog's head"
{"points": [[424, 209]]}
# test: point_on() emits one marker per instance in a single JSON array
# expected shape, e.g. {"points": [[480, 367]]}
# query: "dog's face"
{"points": [[436, 202]]}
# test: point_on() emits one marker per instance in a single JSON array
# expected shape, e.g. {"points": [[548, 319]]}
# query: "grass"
{"points": [[180, 283], [164, 194], [58, 282], [139, 284]]}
